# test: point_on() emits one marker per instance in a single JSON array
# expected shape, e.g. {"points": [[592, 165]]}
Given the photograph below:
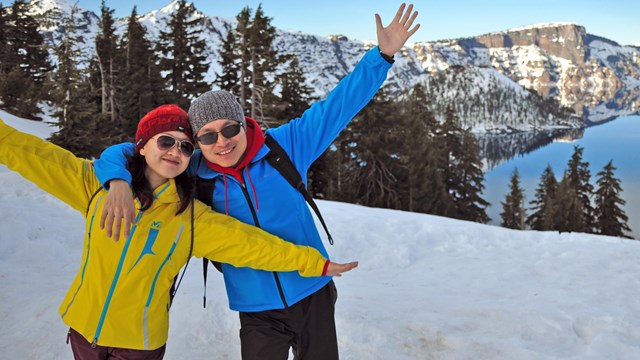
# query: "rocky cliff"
{"points": [[561, 40], [583, 71]]}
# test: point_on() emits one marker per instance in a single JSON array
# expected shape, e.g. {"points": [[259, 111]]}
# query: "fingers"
{"points": [[122, 222], [399, 12], [116, 229], [412, 31], [406, 14], [407, 24], [103, 218], [128, 223], [336, 269], [109, 223], [348, 267], [379, 25], [118, 211]]}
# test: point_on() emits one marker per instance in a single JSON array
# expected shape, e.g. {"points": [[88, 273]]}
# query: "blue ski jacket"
{"points": [[279, 208]]}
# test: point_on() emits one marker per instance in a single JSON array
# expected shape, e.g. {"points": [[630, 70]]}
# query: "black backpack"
{"points": [[280, 161]]}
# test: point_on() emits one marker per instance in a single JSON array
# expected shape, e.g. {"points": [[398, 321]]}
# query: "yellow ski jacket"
{"points": [[120, 296]]}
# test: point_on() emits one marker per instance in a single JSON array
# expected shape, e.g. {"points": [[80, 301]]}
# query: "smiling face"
{"points": [[224, 152], [163, 165]]}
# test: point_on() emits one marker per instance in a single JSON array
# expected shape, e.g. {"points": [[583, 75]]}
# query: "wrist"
{"points": [[117, 183], [388, 58]]}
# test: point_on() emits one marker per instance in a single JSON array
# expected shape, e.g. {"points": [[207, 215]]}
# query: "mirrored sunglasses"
{"points": [[166, 143], [212, 136]]}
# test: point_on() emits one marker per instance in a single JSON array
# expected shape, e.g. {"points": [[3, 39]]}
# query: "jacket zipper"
{"points": [[257, 224], [114, 282], [86, 260]]}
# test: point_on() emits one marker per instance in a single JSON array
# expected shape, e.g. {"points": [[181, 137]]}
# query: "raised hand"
{"points": [[392, 38], [118, 208], [335, 269]]}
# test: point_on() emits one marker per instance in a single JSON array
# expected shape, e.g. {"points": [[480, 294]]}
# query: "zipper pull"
{"points": [[94, 344]]}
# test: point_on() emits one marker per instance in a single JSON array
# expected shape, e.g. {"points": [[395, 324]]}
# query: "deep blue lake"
{"points": [[616, 140]]}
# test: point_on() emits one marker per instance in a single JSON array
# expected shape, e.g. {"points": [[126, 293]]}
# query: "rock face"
{"points": [[563, 40], [584, 72]]}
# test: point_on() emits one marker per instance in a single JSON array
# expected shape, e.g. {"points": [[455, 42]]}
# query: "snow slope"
{"points": [[427, 287]]}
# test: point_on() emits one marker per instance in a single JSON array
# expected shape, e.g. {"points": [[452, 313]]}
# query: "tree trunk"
{"points": [[103, 84], [112, 96]]}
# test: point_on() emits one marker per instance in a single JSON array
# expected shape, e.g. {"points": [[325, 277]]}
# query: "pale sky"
{"points": [[613, 19]]}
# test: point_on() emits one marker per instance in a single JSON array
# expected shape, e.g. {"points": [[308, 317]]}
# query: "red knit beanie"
{"points": [[163, 118]]}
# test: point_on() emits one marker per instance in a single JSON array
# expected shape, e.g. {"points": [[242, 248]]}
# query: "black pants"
{"points": [[307, 326], [82, 350]]}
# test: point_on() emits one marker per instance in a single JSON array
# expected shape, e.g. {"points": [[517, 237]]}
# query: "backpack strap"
{"points": [[204, 189], [279, 159], [204, 193], [176, 281]]}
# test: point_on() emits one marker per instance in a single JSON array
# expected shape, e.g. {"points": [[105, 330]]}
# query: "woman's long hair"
{"points": [[185, 184]]}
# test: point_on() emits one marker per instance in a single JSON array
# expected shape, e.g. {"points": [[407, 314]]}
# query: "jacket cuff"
{"points": [[389, 59], [324, 269]]}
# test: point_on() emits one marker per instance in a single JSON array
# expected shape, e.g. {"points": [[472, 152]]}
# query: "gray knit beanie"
{"points": [[214, 105]]}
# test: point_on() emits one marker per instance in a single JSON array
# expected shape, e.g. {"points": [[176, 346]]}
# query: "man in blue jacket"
{"points": [[277, 310]]}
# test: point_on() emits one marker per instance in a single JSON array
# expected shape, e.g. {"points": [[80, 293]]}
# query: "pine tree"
{"points": [[544, 193], [249, 65], [464, 170], [264, 61], [106, 52], [243, 54], [437, 200], [579, 178], [567, 212], [424, 188], [184, 55], [369, 150], [76, 113], [296, 95], [14, 87], [414, 150], [24, 62], [471, 206], [140, 86], [26, 43], [228, 59], [4, 45], [513, 211], [610, 218]]}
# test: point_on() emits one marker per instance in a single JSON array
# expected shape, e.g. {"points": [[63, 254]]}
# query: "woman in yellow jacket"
{"points": [[118, 303]]}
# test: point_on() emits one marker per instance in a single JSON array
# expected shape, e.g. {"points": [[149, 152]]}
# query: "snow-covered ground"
{"points": [[427, 287]]}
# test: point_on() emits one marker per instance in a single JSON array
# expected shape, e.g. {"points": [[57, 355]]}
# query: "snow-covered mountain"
{"points": [[584, 71], [494, 103], [596, 77], [52, 14]]}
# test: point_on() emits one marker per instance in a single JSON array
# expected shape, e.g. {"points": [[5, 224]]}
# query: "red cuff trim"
{"points": [[324, 269]]}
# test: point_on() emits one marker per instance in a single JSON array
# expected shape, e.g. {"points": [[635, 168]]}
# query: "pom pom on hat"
{"points": [[161, 119]]}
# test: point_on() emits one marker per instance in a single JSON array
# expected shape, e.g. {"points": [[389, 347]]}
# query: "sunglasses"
{"points": [[212, 136], [166, 143]]}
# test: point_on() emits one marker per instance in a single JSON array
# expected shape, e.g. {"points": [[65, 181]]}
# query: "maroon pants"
{"points": [[82, 350], [307, 326]]}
